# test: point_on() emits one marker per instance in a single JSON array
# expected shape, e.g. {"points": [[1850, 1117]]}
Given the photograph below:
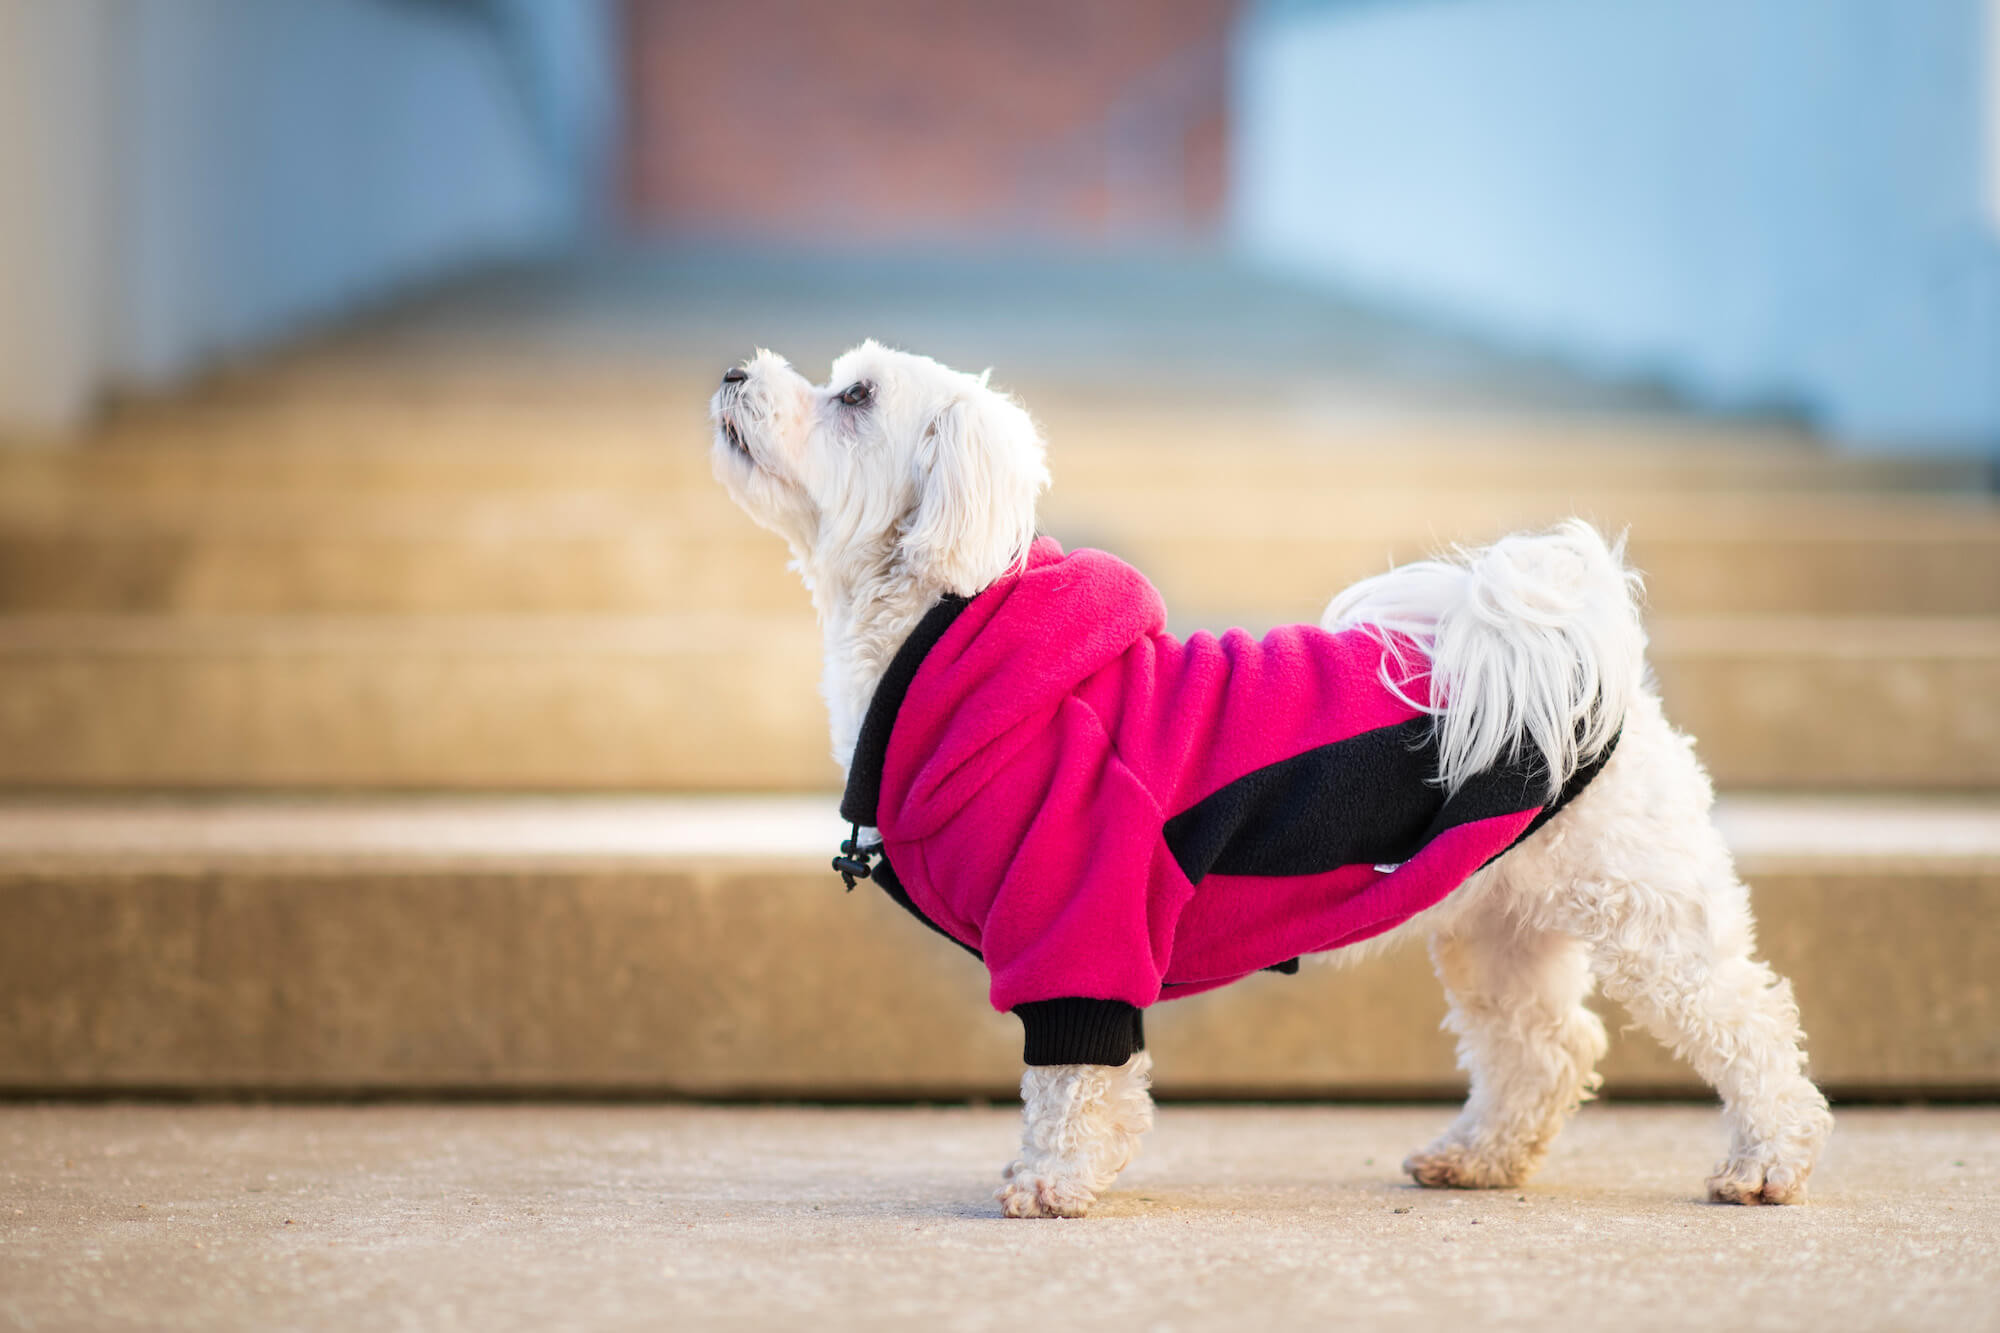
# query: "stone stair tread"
{"points": [[724, 700], [711, 632], [470, 443], [678, 461], [545, 634], [1832, 831], [597, 559], [422, 830], [1226, 512], [1847, 637], [1222, 509], [1840, 832]]}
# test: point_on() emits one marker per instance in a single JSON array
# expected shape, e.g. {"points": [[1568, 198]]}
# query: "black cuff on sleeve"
{"points": [[1080, 1032]]}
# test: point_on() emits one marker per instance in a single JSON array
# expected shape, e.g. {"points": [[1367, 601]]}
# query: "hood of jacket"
{"points": [[1012, 654]]}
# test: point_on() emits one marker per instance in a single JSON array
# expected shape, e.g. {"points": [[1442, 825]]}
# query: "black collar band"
{"points": [[863, 797]]}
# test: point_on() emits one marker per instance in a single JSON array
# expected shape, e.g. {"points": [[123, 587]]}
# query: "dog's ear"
{"points": [[978, 471]]}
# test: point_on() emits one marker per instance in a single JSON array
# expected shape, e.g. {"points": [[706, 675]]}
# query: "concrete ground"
{"points": [[543, 1217]]}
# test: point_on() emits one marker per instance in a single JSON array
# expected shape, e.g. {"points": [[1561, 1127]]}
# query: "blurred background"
{"points": [[390, 700]]}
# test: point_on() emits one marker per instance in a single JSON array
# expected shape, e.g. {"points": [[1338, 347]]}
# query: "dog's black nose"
{"points": [[735, 375]]}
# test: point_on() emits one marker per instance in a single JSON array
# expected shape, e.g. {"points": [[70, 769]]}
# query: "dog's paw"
{"points": [[1752, 1180], [1025, 1192], [1450, 1165], [1774, 1168]]}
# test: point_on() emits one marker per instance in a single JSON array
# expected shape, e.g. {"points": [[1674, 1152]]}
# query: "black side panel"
{"points": [[1367, 800], [1570, 791], [1504, 789], [1363, 800]]}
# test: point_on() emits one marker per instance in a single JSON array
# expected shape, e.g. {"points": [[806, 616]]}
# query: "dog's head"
{"points": [[896, 462]]}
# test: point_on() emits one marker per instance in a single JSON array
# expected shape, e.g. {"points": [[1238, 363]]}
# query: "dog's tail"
{"points": [[1534, 647]]}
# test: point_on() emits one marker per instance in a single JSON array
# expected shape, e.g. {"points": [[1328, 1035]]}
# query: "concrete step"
{"points": [[1232, 553], [1427, 518], [702, 947], [1275, 577], [404, 553], [701, 701], [1279, 454], [627, 441], [715, 701]]}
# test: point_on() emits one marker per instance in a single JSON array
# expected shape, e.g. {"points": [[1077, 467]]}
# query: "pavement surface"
{"points": [[545, 1217]]}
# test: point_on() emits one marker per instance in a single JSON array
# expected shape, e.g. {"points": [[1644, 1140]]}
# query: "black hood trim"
{"points": [[861, 802]]}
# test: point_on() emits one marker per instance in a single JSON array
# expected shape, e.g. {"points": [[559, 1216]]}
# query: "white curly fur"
{"points": [[929, 488], [1535, 646], [1080, 1126], [1530, 644]]}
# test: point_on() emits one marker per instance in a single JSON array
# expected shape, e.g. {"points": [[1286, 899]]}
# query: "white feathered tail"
{"points": [[1534, 643]]}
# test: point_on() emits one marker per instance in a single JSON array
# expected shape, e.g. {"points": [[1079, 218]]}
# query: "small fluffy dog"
{"points": [[1110, 816]]}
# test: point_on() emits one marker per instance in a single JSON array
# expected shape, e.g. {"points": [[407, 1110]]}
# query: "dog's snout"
{"points": [[735, 375]]}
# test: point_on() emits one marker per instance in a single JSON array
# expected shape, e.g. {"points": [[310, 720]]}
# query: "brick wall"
{"points": [[947, 120]]}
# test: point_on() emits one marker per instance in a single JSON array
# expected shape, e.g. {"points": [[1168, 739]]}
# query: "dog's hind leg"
{"points": [[1524, 1036], [1679, 957], [1080, 1126], [1642, 875]]}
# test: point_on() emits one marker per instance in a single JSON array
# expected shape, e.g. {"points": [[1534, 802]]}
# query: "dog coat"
{"points": [[1110, 816]]}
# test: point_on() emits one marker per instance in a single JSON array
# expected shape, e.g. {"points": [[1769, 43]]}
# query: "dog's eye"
{"points": [[858, 394]]}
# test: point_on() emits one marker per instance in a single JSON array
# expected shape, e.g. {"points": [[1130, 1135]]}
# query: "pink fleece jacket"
{"points": [[1110, 816]]}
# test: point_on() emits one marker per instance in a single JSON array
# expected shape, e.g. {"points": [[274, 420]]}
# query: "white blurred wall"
{"points": [[53, 215], [182, 179]]}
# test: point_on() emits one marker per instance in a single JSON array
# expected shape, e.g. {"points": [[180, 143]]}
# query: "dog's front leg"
{"points": [[1080, 1125]]}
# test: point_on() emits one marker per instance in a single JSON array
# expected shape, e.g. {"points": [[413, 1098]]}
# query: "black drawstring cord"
{"points": [[853, 861]]}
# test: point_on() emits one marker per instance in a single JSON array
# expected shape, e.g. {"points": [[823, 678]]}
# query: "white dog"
{"points": [[905, 488]]}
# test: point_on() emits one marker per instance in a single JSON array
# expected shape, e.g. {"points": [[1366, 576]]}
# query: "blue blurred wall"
{"points": [[1784, 203], [183, 180], [284, 160]]}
